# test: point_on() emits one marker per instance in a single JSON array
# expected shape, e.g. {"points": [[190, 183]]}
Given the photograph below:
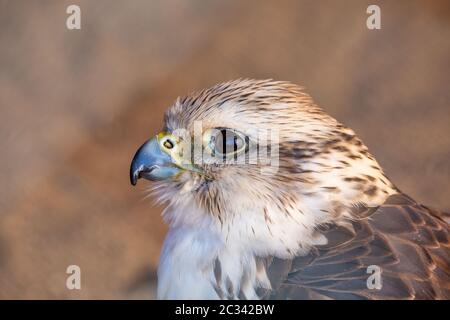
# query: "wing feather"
{"points": [[409, 242]]}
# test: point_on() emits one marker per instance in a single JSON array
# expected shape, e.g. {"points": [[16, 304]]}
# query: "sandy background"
{"points": [[75, 105]]}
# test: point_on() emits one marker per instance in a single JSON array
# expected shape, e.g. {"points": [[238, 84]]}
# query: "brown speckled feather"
{"points": [[409, 242]]}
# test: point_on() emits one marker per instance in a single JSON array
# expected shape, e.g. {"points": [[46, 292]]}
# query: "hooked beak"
{"points": [[151, 163]]}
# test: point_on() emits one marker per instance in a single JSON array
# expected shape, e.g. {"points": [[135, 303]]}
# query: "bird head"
{"points": [[261, 146]]}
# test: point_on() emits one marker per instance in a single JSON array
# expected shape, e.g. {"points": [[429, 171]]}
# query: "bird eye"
{"points": [[227, 142]]}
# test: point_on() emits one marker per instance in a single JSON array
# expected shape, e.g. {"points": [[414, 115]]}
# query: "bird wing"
{"points": [[407, 241]]}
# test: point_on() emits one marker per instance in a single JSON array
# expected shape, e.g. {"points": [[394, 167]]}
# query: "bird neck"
{"points": [[197, 264]]}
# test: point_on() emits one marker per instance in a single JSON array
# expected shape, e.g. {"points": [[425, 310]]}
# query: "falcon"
{"points": [[269, 197]]}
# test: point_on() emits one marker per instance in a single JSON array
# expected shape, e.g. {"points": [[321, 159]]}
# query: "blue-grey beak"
{"points": [[151, 163]]}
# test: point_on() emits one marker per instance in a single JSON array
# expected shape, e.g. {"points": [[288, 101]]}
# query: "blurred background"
{"points": [[76, 104]]}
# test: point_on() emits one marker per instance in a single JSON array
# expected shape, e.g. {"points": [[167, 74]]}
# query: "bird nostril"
{"points": [[168, 144]]}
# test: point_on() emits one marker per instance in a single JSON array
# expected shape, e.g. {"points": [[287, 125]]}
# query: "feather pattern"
{"points": [[307, 230], [408, 242]]}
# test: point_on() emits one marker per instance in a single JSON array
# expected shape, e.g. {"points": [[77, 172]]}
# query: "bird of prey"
{"points": [[321, 221]]}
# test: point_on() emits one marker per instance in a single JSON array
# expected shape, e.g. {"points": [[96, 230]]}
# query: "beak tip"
{"points": [[151, 163], [134, 176]]}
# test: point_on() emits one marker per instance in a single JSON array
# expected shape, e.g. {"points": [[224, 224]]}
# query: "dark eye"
{"points": [[227, 142]]}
